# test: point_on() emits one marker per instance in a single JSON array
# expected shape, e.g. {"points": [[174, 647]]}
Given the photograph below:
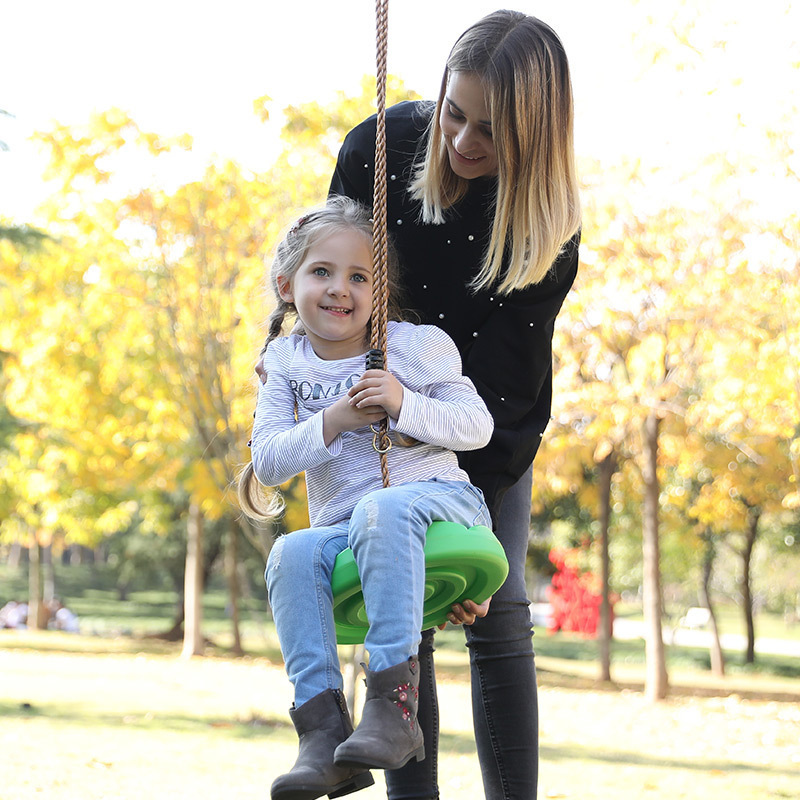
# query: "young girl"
{"points": [[314, 414]]}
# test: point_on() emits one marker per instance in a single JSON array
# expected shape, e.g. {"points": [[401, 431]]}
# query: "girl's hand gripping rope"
{"points": [[378, 387], [344, 416]]}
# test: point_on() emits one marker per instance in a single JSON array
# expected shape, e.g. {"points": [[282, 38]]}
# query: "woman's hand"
{"points": [[378, 388], [467, 612]]}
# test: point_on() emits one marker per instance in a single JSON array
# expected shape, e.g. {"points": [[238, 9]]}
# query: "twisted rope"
{"points": [[380, 246]]}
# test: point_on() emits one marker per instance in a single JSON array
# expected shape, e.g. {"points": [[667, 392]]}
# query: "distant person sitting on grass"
{"points": [[62, 619], [14, 615]]}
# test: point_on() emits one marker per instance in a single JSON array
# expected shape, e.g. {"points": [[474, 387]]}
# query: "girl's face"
{"points": [[332, 292], [467, 127]]}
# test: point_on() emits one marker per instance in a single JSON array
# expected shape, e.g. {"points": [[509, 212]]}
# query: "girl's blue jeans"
{"points": [[504, 697], [387, 535]]}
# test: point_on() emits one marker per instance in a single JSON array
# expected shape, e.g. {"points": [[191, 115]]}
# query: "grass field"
{"points": [[85, 718], [730, 619], [98, 716]]}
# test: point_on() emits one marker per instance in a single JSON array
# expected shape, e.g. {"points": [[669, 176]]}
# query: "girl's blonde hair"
{"points": [[523, 67], [337, 215]]}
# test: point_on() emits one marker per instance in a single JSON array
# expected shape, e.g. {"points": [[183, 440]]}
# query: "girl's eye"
{"points": [[321, 271], [359, 278]]}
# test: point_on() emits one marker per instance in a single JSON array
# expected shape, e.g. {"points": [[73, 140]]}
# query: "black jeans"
{"points": [[504, 700]]}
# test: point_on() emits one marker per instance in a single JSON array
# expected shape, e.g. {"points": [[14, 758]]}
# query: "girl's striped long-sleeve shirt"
{"points": [[441, 410]]}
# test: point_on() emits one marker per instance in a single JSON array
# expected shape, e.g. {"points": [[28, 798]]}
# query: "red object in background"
{"points": [[574, 595]]}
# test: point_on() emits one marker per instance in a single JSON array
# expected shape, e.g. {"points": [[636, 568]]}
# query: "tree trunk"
{"points": [[38, 611], [14, 555], [607, 467], [753, 516], [209, 556], [656, 679], [715, 650], [35, 604], [193, 585], [101, 554], [48, 578], [231, 570], [175, 633], [179, 584]]}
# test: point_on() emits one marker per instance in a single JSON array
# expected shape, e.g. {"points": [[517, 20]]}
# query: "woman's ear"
{"points": [[284, 289]]}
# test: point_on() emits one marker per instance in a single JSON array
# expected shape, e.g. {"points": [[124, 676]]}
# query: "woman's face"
{"points": [[467, 127]]}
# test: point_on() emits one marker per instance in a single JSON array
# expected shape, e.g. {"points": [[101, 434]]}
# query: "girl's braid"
{"points": [[275, 323]]}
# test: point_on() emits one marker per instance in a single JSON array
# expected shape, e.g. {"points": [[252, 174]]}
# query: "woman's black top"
{"points": [[505, 341]]}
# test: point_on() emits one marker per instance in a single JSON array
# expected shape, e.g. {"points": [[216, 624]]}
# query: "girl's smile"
{"points": [[338, 311], [332, 293]]}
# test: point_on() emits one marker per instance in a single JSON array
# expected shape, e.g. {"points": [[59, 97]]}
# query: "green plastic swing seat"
{"points": [[460, 563]]}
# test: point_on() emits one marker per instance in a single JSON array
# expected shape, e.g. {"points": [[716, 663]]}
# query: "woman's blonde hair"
{"points": [[337, 215], [524, 71]]}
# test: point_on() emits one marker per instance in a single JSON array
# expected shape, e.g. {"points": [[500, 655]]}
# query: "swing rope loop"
{"points": [[380, 248], [381, 443]]}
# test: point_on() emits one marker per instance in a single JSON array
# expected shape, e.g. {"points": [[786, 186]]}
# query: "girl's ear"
{"points": [[285, 288]]}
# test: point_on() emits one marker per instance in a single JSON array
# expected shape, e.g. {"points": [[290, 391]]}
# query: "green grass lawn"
{"points": [[90, 718], [730, 619], [104, 715], [91, 593]]}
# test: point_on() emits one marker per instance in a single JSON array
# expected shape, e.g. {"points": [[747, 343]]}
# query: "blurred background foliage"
{"points": [[131, 314]]}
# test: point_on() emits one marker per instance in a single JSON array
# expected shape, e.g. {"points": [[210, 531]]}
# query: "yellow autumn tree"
{"points": [[654, 298], [135, 334]]}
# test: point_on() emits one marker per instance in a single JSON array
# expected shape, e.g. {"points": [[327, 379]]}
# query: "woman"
{"points": [[483, 208]]}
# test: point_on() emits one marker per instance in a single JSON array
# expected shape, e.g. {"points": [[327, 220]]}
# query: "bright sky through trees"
{"points": [[197, 67]]}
